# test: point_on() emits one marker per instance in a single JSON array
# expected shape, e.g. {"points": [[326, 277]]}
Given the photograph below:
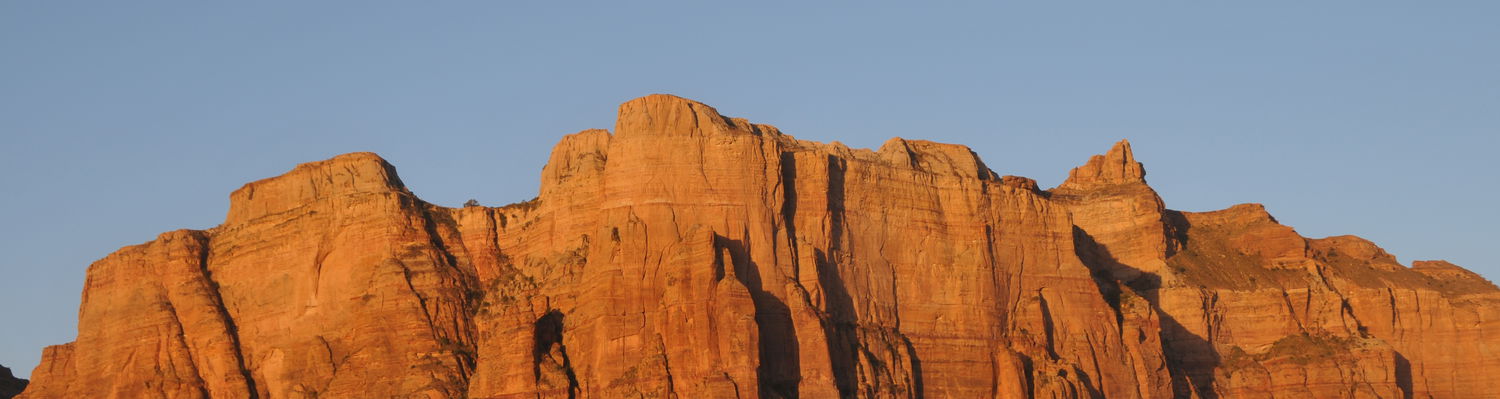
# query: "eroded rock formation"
{"points": [[691, 255]]}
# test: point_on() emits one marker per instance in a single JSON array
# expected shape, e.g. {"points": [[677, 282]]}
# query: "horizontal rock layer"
{"points": [[691, 255]]}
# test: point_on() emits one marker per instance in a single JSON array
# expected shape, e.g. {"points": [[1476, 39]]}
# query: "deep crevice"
{"points": [[780, 367], [229, 325], [547, 332]]}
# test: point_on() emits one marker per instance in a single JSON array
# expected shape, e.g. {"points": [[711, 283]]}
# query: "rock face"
{"points": [[691, 255], [10, 386]]}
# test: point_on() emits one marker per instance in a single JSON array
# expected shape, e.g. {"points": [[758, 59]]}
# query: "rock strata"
{"points": [[686, 254]]}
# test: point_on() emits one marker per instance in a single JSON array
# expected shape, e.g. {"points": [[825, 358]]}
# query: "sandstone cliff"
{"points": [[690, 255]]}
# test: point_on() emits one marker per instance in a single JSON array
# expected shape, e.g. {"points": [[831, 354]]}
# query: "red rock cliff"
{"points": [[692, 255]]}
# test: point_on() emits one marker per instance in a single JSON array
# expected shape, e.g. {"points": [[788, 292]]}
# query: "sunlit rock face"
{"points": [[686, 254]]}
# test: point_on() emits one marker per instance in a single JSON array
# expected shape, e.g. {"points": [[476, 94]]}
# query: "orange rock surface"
{"points": [[686, 254]]}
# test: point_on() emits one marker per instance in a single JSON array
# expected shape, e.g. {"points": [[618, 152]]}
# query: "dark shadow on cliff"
{"points": [[916, 369], [547, 333], [1088, 385], [840, 322], [839, 326], [1050, 330], [1403, 376], [841, 329], [837, 315], [838, 331], [1191, 358], [780, 364]]}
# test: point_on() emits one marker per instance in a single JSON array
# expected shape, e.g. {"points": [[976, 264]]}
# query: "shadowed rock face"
{"points": [[10, 386], [692, 255]]}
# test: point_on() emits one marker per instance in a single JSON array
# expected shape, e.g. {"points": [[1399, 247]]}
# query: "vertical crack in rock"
{"points": [[217, 300]]}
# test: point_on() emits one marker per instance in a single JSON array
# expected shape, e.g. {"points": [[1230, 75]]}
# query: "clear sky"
{"points": [[121, 120]]}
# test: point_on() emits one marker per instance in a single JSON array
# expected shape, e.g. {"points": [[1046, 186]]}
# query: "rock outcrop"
{"points": [[10, 386], [1252, 309], [691, 255]]}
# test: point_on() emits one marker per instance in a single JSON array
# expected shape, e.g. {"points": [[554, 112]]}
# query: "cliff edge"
{"points": [[687, 254]]}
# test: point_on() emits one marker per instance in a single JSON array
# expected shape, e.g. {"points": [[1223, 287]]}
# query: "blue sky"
{"points": [[121, 120]]}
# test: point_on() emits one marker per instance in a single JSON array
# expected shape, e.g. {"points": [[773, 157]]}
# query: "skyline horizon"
{"points": [[123, 122], [1403, 260]]}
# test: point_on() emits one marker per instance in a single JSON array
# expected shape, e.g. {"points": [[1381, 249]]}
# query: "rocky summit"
{"points": [[687, 254]]}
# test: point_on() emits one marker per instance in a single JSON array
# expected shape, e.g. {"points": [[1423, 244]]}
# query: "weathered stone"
{"points": [[692, 255]]}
